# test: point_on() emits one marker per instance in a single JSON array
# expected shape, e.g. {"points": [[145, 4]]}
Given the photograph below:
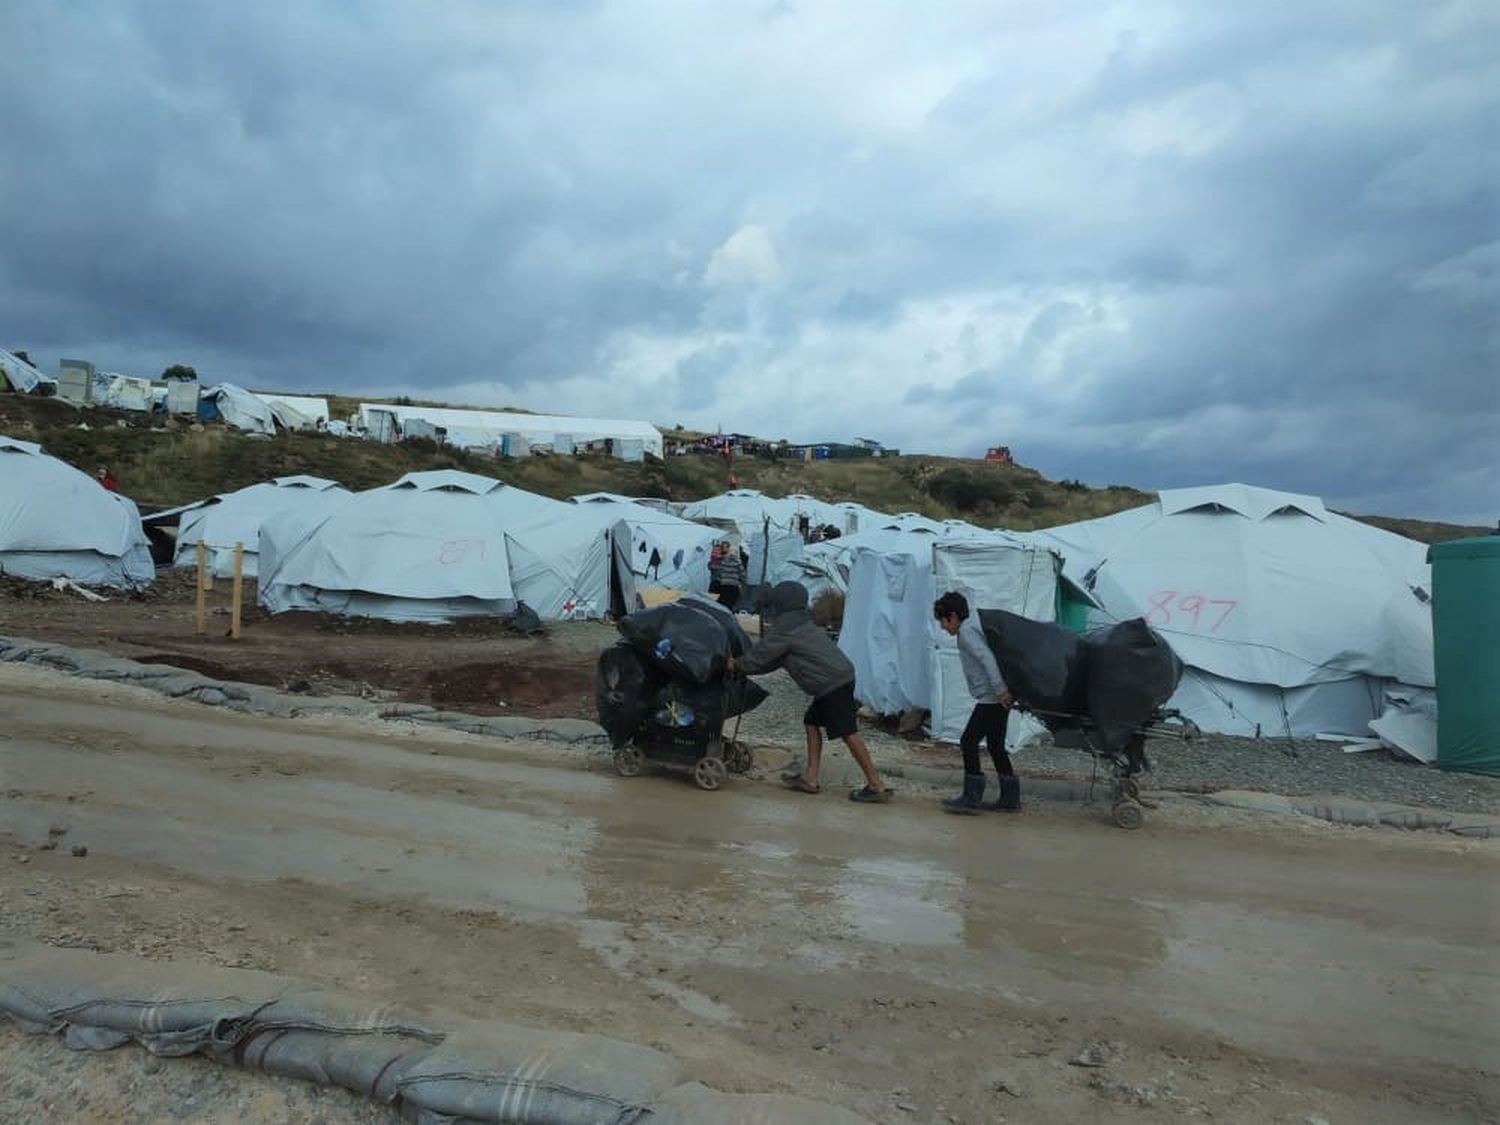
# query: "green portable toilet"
{"points": [[1466, 635]]}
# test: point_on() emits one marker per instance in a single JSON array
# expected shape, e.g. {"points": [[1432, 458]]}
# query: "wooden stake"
{"points": [[201, 624], [239, 576]]}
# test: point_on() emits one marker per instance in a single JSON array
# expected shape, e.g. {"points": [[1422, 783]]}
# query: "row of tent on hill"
{"points": [[1291, 619]]}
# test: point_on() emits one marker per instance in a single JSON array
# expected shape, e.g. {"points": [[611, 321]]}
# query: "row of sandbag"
{"points": [[477, 1071]]}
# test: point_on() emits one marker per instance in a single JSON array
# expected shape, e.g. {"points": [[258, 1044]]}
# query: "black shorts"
{"points": [[836, 712]]}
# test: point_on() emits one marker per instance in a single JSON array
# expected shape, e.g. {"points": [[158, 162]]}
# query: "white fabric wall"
{"points": [[991, 576]]}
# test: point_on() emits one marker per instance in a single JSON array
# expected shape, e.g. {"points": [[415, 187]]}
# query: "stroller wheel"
{"points": [[628, 761], [710, 773], [1128, 814]]}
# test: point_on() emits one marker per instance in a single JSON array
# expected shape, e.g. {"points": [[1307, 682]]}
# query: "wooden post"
{"points": [[201, 622], [239, 576]]}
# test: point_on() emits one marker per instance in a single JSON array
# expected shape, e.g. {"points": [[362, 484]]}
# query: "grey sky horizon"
{"points": [[1156, 242]]}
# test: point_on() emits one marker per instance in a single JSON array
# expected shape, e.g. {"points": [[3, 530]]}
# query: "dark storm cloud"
{"points": [[1168, 243]]}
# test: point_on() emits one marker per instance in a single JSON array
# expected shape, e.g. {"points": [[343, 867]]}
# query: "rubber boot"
{"points": [[1010, 795], [970, 801]]}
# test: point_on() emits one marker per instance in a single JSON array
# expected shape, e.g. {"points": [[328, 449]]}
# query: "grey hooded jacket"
{"points": [[793, 642]]}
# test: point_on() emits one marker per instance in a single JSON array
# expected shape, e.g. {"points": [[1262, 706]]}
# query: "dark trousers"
{"points": [[987, 723]]}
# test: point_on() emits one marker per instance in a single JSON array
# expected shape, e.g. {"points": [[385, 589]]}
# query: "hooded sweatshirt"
{"points": [[979, 665], [793, 642]]}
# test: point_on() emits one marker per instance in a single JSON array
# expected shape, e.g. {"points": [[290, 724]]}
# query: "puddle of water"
{"points": [[901, 902]]}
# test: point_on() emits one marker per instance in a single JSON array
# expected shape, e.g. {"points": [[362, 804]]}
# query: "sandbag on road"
{"points": [[465, 1071]]}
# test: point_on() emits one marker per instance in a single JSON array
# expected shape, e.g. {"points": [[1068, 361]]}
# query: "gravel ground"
{"points": [[1213, 762]]}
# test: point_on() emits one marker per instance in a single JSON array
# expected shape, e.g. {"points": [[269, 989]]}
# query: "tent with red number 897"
{"points": [[1291, 619]]}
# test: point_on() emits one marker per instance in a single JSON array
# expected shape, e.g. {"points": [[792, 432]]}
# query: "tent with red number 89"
{"points": [[436, 546], [1291, 619]]}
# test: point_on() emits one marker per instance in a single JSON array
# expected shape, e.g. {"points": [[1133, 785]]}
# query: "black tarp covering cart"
{"points": [[663, 694], [1102, 692]]}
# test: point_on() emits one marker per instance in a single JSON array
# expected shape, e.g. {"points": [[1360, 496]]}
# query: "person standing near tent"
{"points": [[653, 564], [107, 480], [731, 577], [816, 665], [991, 712]]}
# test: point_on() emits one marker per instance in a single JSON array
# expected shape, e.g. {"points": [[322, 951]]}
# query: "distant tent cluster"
{"points": [[504, 433]]}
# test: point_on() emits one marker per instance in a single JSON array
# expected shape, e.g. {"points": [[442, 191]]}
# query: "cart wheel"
{"points": [[1128, 814], [1128, 789], [710, 773], [628, 761]]}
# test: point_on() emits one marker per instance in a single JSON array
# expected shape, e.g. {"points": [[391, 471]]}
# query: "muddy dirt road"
{"points": [[908, 965]]}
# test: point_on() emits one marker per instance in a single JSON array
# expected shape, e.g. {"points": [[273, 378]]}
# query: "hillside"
{"points": [[164, 463]]}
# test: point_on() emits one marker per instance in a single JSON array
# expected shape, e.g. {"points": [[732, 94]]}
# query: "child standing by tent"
{"points": [[990, 715], [816, 665]]}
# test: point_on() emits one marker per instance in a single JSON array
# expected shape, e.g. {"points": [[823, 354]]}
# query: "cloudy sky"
{"points": [[1156, 242]]}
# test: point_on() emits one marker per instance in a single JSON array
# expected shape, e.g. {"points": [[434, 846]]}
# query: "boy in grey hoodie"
{"points": [[991, 712], [816, 666]]}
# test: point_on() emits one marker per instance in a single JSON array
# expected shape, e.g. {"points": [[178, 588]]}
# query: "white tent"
{"points": [[58, 522], [241, 409], [23, 377], [902, 660], [296, 412], [489, 427], [1291, 619], [765, 524], [745, 507], [826, 565], [854, 518], [435, 546], [638, 530], [236, 517]]}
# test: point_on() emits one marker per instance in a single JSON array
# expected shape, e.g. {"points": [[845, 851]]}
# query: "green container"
{"points": [[1466, 634]]}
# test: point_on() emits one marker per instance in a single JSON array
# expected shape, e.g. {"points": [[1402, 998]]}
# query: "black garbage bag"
{"points": [[741, 695], [1131, 672], [687, 640], [623, 689], [525, 620], [1043, 664]]}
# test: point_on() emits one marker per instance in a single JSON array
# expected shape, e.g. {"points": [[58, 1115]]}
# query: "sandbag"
{"points": [[687, 640], [1131, 671], [485, 1072], [500, 1073], [1043, 664]]}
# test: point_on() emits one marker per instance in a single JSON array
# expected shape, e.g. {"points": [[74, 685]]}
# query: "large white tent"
{"points": [[637, 531], [56, 522], [435, 546], [236, 517], [1291, 619]]}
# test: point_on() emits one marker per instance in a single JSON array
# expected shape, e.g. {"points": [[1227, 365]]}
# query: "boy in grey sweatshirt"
{"points": [[816, 665], [991, 711]]}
